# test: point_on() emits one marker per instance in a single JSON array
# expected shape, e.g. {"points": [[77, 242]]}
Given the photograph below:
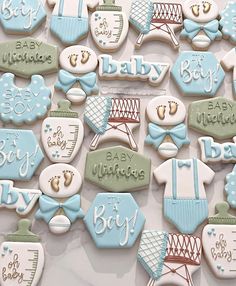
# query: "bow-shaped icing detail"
{"points": [[48, 208], [88, 82], [157, 134], [184, 163], [191, 29]]}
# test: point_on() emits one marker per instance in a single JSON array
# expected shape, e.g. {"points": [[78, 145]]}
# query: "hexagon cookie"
{"points": [[114, 220], [26, 57], [118, 169], [198, 73]]}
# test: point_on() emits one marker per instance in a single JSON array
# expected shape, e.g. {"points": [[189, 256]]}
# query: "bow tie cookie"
{"points": [[167, 131], [59, 207], [201, 26], [77, 78]]}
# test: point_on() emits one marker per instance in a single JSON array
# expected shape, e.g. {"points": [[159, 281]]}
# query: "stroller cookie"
{"points": [[228, 23]]}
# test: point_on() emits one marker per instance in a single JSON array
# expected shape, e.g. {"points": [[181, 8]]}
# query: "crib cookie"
{"points": [[214, 117], [135, 69], [156, 20], [20, 154], [185, 202], [229, 63], [21, 16], [26, 57], [69, 21], [219, 242], [59, 206], [164, 112], [23, 105], [118, 169], [198, 74], [112, 119], [62, 134], [109, 26], [230, 188], [169, 258], [114, 220], [228, 22]]}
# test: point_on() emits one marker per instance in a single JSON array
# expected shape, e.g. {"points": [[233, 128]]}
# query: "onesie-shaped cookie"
{"points": [[201, 26], [60, 204], [69, 21], [166, 132], [229, 63]]}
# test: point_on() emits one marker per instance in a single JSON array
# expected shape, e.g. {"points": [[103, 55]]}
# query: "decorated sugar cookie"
{"points": [[114, 220], [23, 105], [201, 26], [185, 202], [198, 74], [230, 188], [109, 26], [59, 206], [21, 16], [166, 132], [228, 22], [169, 258], [229, 63], [112, 119], [219, 242], [22, 257], [156, 20], [69, 21], [62, 134]]}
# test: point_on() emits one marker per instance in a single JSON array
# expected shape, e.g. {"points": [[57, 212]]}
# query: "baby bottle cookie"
{"points": [[219, 242], [59, 207], [22, 257], [201, 26], [62, 133], [166, 132]]}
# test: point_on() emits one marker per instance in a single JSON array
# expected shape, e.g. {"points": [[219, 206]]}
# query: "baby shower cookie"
{"points": [[59, 206], [109, 26], [26, 57], [135, 69], [219, 242], [228, 22], [69, 21], [229, 63], [23, 105], [20, 154], [214, 117], [201, 26], [198, 74], [118, 169], [185, 201], [156, 20], [169, 258], [165, 112], [22, 257], [21, 16], [114, 220], [62, 133], [230, 188], [112, 119]]}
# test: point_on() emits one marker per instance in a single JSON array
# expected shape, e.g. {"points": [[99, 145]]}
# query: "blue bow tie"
{"points": [[157, 134], [48, 208], [184, 163], [191, 29], [88, 82]]}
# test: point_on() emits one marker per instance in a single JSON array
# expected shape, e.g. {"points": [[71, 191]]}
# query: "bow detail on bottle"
{"points": [[157, 134], [88, 82], [48, 208]]}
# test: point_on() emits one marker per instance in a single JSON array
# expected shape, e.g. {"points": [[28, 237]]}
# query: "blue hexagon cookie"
{"points": [[114, 220], [198, 73], [228, 22]]}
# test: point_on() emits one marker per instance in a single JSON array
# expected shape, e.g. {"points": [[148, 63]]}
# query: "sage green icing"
{"points": [[26, 57], [118, 169], [64, 110], [108, 5], [214, 117], [222, 216]]}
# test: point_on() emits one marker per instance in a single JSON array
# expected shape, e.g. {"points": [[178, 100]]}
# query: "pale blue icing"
{"points": [[227, 21], [234, 87], [21, 17], [114, 220], [20, 154], [23, 105], [230, 188]]}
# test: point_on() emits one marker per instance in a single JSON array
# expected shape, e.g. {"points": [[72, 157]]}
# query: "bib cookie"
{"points": [[228, 23]]}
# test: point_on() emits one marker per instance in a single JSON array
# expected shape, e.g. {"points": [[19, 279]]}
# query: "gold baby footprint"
{"points": [[206, 7], [173, 107], [161, 110], [68, 175], [55, 181], [195, 10], [85, 57], [73, 60]]}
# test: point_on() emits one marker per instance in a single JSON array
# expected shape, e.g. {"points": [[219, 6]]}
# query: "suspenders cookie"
{"points": [[185, 202], [166, 132], [201, 26], [219, 242], [228, 23], [229, 63]]}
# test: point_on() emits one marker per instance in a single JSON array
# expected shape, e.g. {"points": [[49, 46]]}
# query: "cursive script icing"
{"points": [[103, 29], [11, 271], [220, 251], [57, 139]]}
